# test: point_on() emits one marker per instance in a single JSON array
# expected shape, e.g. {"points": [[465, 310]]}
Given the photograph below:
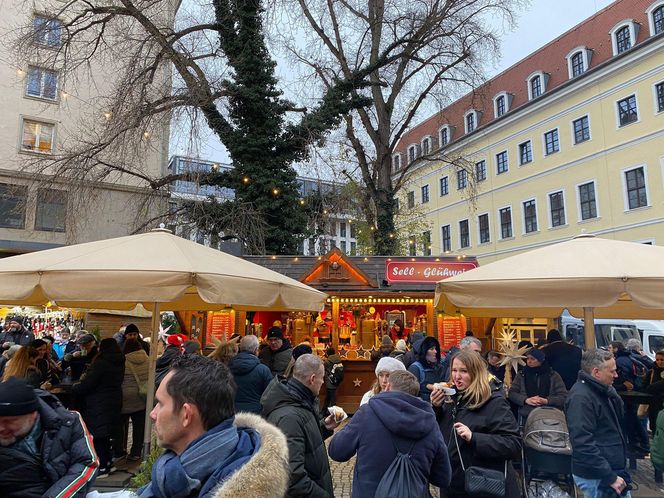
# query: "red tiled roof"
{"points": [[592, 33]]}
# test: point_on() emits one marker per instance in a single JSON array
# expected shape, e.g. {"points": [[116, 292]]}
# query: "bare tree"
{"points": [[435, 47]]}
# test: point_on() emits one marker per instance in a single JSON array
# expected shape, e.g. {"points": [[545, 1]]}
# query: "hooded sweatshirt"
{"points": [[390, 420]]}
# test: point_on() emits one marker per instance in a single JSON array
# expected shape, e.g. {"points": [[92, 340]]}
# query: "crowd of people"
{"points": [[247, 419]]}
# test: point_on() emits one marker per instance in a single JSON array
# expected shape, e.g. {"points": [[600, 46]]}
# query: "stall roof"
{"points": [[337, 272]]}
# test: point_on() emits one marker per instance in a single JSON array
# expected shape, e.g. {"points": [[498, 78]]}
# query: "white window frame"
{"points": [[617, 110], [495, 157], [547, 154], [396, 157], [573, 134], [39, 121], [633, 32], [586, 55], [424, 139], [449, 135], [578, 201], [623, 180], [442, 243], [656, 110], [470, 240], [548, 203], [486, 170], [649, 12], [428, 189], [523, 217], [41, 84], [47, 17], [440, 190], [499, 225], [543, 80], [479, 235], [532, 151], [495, 103], [476, 119], [415, 154]]}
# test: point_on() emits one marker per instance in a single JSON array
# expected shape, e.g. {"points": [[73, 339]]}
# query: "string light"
{"points": [[275, 191], [245, 179]]}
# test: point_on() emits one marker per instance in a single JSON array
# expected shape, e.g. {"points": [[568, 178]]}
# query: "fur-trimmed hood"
{"points": [[266, 474]]}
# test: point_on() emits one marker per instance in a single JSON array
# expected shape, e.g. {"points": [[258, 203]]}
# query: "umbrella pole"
{"points": [[154, 345], [589, 328]]}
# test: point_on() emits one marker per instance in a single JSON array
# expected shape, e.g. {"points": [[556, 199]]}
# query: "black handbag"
{"points": [[480, 481]]}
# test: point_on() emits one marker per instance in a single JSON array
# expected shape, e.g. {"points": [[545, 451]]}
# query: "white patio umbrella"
{"points": [[588, 275], [158, 270]]}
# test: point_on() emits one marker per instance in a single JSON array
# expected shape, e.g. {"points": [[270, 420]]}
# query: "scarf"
{"points": [[178, 476], [538, 380]]}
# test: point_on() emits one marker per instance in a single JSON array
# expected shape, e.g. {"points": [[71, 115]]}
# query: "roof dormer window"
{"points": [[412, 153], [578, 61], [426, 146], [501, 104], [655, 15], [471, 120], [396, 162], [445, 135], [623, 36], [536, 84]]}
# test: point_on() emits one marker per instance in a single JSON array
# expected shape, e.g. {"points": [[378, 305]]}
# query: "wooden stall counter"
{"points": [[359, 376]]}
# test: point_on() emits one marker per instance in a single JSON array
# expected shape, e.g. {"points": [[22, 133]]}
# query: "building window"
{"points": [[627, 110], [581, 129], [342, 246], [535, 87], [42, 83], [530, 216], [37, 136], [551, 143], [557, 205], [502, 164], [623, 39], [464, 234], [578, 64], [12, 206], [353, 248], [51, 210], [525, 152], [444, 136], [426, 241], [659, 92], [485, 234], [47, 31], [425, 194], [500, 106], [446, 238], [411, 199], [444, 186], [587, 201], [426, 146], [353, 230], [412, 246], [462, 178], [658, 20], [635, 181], [396, 163], [505, 223], [342, 229], [412, 153], [480, 171], [470, 121]]}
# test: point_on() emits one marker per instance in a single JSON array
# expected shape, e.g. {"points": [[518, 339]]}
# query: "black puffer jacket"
{"points": [[100, 391], [495, 439], [277, 361], [296, 412], [594, 415], [252, 378], [565, 359], [67, 463]]}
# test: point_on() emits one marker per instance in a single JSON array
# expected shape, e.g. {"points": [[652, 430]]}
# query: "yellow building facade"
{"points": [[586, 155]]}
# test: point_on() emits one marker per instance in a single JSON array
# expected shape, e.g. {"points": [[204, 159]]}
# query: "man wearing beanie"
{"points": [[15, 333], [45, 450], [277, 355], [131, 333]]}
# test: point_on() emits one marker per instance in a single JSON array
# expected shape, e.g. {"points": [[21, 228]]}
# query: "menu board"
{"points": [[220, 325], [451, 329]]}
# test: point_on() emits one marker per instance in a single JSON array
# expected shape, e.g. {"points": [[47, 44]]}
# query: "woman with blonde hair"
{"points": [[384, 368], [225, 351], [23, 365], [477, 424]]}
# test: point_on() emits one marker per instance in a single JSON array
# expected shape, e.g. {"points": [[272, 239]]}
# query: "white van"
{"points": [[606, 330], [651, 333]]}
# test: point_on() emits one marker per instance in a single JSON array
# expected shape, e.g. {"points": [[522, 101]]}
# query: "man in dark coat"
{"points": [[278, 352], [292, 406], [251, 376], [334, 374], [564, 358], [80, 359], [594, 413], [16, 333], [45, 450], [394, 418]]}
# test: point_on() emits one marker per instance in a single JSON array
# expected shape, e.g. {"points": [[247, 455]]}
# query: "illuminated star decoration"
{"points": [[357, 382], [512, 356], [163, 333]]}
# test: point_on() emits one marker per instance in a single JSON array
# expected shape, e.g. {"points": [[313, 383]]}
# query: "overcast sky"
{"points": [[538, 24]]}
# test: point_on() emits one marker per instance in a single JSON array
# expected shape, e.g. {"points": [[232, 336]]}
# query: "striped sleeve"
{"points": [[83, 466]]}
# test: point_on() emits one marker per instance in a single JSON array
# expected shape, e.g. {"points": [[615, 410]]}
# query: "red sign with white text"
{"points": [[424, 272]]}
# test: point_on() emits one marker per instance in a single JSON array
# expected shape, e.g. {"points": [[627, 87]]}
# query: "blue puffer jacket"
{"points": [[251, 377], [391, 418]]}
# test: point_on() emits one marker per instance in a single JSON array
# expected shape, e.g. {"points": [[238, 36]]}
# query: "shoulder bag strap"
{"points": [[456, 442]]}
